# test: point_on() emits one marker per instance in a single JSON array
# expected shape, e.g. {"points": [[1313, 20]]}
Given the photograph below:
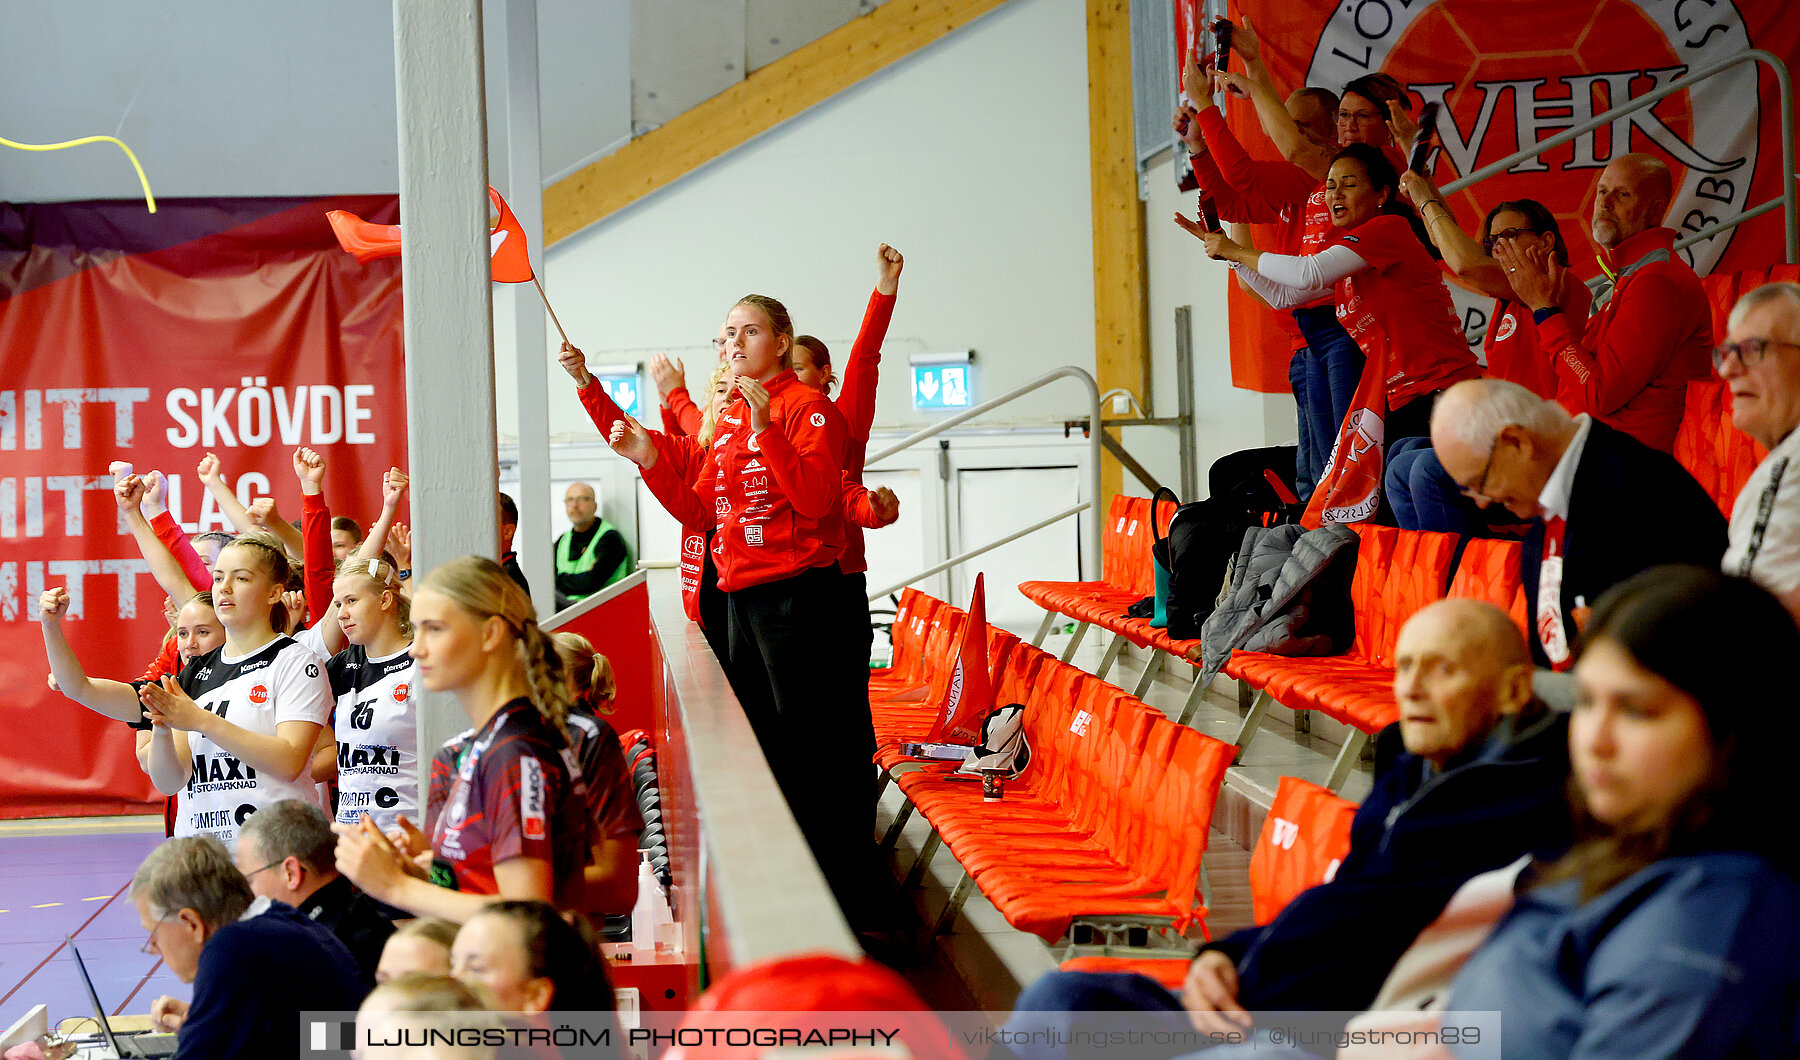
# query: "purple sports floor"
{"points": [[67, 879]]}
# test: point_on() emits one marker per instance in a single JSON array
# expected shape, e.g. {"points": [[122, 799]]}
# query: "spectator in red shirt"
{"points": [[776, 486], [1327, 363], [1387, 288], [1422, 494], [1649, 335], [856, 401]]}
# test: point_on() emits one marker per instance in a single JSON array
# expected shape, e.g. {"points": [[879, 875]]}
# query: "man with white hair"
{"points": [[1760, 363], [1603, 505]]}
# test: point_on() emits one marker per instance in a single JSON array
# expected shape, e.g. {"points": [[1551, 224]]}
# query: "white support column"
{"points": [[517, 70], [451, 444]]}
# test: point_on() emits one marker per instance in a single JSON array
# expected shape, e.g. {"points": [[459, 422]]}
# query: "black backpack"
{"points": [[1204, 536]]}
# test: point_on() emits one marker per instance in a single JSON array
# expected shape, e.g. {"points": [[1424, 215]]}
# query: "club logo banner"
{"points": [[1516, 74]]}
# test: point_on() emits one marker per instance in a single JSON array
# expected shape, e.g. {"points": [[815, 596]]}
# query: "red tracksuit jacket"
{"points": [[683, 477], [1632, 363], [777, 497]]}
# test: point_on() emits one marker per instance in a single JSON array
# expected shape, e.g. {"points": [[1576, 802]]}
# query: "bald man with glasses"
{"points": [[1760, 363], [1602, 505]]}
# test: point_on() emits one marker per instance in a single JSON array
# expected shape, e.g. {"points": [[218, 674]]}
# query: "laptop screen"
{"points": [[93, 996]]}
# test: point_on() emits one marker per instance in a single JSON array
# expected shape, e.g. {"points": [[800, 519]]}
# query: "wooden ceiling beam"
{"points": [[771, 95]]}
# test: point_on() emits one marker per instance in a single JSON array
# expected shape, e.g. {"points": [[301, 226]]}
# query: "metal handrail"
{"points": [[1091, 547], [1073, 509], [1790, 197]]}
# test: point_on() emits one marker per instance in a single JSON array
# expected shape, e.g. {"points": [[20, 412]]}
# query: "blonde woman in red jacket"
{"points": [[775, 483]]}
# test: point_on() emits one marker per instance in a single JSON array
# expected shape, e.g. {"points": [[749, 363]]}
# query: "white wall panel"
{"points": [[992, 502], [963, 155]]}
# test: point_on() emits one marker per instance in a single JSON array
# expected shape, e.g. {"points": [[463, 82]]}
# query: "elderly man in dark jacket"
{"points": [[1469, 779]]}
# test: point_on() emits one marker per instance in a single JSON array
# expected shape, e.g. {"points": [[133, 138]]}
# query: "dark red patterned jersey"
{"points": [[503, 791]]}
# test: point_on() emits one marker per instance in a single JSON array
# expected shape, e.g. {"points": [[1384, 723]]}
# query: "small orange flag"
{"points": [[971, 696], [512, 260], [368, 242]]}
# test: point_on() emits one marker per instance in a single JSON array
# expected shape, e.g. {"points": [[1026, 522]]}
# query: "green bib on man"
{"points": [[584, 560]]}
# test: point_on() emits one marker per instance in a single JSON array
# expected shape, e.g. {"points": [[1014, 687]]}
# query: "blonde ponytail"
{"points": [[544, 672], [707, 412], [484, 589]]}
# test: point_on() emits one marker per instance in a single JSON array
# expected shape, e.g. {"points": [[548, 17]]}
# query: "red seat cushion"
{"points": [[1489, 570], [1304, 838]]}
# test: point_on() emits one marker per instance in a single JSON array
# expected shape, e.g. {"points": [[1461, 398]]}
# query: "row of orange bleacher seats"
{"points": [[1110, 818], [1108, 824]]}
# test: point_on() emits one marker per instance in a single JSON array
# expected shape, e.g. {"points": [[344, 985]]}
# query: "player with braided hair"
{"points": [[504, 816]]}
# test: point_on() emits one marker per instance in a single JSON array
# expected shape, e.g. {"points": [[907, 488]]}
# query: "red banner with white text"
{"points": [[1514, 74], [236, 327]]}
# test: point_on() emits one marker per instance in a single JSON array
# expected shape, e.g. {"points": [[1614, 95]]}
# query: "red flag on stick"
{"points": [[511, 258], [371, 242], [971, 695]]}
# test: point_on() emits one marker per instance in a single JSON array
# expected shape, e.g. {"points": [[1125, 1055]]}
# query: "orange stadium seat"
{"points": [[1127, 575], [1489, 570], [1397, 572], [1109, 819], [1304, 838]]}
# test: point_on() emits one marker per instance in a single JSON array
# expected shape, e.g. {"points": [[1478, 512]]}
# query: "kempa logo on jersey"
{"points": [[754, 465]]}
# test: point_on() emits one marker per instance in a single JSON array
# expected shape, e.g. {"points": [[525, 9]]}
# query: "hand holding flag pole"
{"points": [[511, 258]]}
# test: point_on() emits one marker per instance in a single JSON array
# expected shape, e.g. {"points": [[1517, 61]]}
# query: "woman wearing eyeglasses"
{"points": [[1529, 228], [1422, 495]]}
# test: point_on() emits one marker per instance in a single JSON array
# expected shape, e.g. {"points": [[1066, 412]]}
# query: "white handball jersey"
{"points": [[377, 736], [282, 681]]}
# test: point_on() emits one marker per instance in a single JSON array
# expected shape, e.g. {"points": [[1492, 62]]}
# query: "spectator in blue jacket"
{"points": [[1668, 930], [255, 964], [1468, 780]]}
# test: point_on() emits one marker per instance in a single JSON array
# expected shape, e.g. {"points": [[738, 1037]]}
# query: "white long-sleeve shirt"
{"points": [[1289, 280]]}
